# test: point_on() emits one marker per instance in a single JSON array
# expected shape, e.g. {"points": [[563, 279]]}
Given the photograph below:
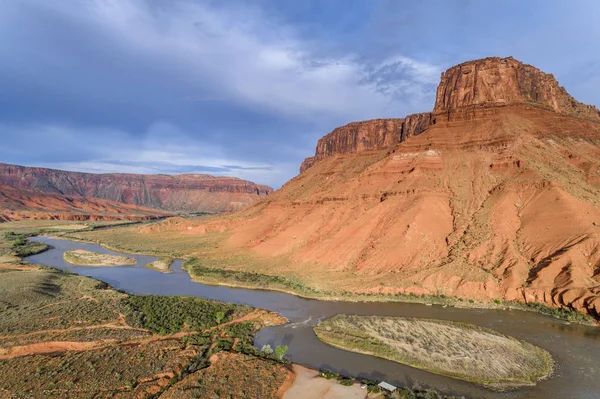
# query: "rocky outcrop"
{"points": [[415, 124], [371, 135], [464, 90], [188, 192], [500, 81], [360, 136], [307, 163]]}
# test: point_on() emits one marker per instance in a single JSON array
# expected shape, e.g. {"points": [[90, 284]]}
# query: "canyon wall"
{"points": [[371, 135], [188, 192], [30, 204]]}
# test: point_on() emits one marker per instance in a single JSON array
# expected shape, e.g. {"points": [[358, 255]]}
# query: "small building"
{"points": [[388, 387]]}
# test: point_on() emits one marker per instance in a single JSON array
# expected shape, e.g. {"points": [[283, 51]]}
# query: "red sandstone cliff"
{"points": [[486, 83], [500, 81], [188, 192], [369, 135], [497, 197]]}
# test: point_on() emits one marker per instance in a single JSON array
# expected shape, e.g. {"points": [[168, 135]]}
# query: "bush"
{"points": [[280, 351], [167, 315], [346, 382], [561, 313], [328, 374]]}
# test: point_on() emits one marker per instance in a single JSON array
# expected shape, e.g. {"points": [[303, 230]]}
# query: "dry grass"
{"points": [[63, 335], [232, 375], [457, 350], [80, 257], [161, 264]]}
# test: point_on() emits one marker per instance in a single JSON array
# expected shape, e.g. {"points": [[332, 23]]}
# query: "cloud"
{"points": [[234, 54], [183, 86], [164, 149]]}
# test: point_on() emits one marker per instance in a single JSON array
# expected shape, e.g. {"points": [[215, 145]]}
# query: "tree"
{"points": [[280, 351], [266, 349], [219, 316]]}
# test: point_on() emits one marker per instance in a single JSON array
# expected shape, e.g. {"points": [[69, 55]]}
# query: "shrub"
{"points": [[167, 315], [280, 351]]}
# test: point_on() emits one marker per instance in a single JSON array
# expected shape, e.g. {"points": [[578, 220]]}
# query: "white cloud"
{"points": [[244, 59], [164, 149]]}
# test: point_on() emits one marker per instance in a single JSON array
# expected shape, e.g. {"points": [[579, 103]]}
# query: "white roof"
{"points": [[387, 386]]}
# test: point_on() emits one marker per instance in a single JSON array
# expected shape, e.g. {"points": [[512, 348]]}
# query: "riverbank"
{"points": [[200, 271]]}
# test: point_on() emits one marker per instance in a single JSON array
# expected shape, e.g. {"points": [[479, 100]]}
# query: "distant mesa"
{"points": [[177, 193]]}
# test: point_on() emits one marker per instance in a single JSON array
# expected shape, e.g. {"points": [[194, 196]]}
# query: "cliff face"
{"points": [[500, 81], [193, 193], [369, 135], [484, 83]]}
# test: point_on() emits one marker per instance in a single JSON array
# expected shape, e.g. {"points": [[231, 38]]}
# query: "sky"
{"points": [[246, 88]]}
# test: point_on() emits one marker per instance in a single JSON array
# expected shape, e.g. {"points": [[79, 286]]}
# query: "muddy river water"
{"points": [[574, 348]]}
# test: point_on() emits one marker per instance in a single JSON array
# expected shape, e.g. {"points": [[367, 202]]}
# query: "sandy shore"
{"points": [[308, 385]]}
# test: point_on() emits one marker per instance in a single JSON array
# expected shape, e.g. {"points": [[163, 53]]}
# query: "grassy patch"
{"points": [[18, 245], [457, 350], [198, 270], [80, 257], [45, 305], [162, 264]]}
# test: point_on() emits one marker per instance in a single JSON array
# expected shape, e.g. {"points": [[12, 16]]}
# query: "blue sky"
{"points": [[245, 88]]}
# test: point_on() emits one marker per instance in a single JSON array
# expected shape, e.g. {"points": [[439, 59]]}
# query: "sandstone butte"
{"points": [[493, 194], [186, 192]]}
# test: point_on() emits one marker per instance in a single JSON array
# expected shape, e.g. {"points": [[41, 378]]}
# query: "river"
{"points": [[574, 348]]}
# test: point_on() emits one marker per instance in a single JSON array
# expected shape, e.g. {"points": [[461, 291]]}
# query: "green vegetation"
{"points": [[169, 315], [200, 272], [50, 299], [456, 350], [162, 264], [280, 351], [561, 313], [80, 257], [233, 375], [20, 246], [372, 387], [49, 305]]}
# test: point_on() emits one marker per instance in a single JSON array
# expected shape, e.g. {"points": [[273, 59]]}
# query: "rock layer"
{"points": [[499, 81], [192, 193], [25, 204], [372, 135]]}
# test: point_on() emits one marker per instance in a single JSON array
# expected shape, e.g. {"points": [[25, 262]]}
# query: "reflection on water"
{"points": [[575, 348]]}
